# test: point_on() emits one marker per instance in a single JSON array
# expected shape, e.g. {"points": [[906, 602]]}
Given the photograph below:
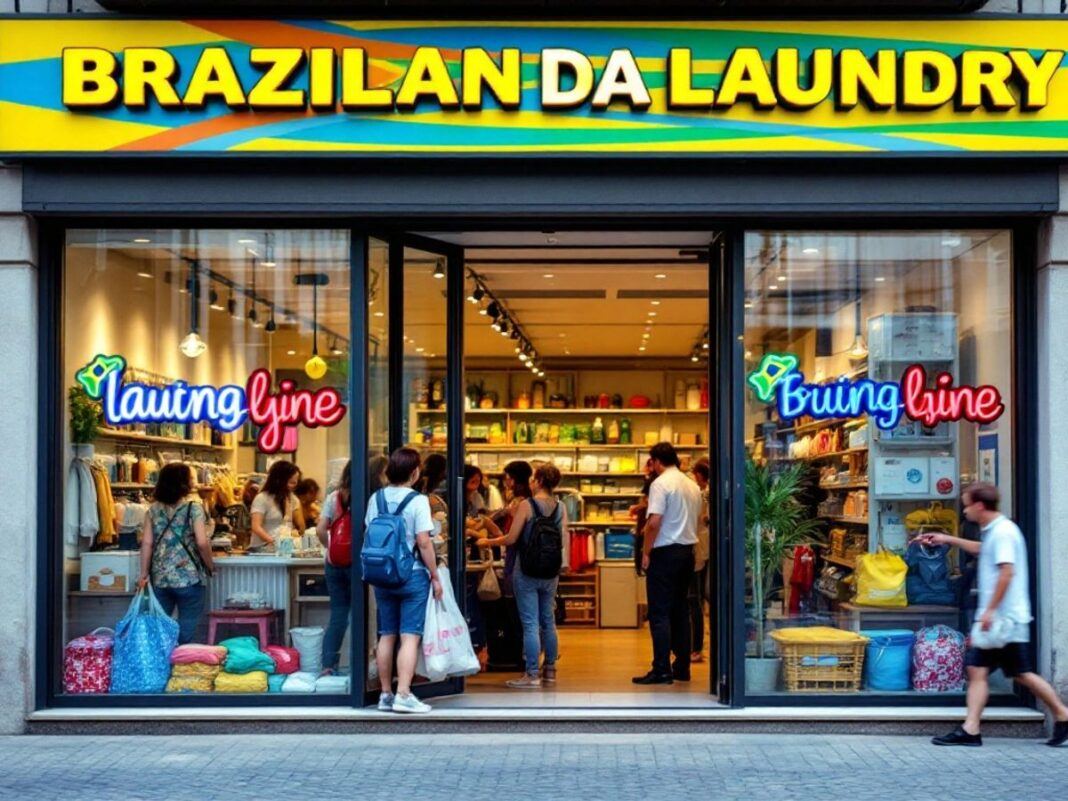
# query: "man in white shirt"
{"points": [[668, 560], [1005, 609]]}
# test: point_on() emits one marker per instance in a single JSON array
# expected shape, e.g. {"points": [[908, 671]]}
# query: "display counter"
{"points": [[268, 575]]}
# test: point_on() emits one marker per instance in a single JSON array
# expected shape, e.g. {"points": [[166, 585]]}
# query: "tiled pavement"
{"points": [[510, 767]]}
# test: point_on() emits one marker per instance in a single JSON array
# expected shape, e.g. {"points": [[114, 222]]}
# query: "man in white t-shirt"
{"points": [[1005, 609], [673, 515]]}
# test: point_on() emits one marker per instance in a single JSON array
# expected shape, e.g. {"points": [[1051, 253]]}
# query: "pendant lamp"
{"points": [[315, 368], [192, 345]]}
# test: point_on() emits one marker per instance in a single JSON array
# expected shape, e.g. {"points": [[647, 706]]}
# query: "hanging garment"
{"points": [[80, 515], [802, 577], [105, 507]]}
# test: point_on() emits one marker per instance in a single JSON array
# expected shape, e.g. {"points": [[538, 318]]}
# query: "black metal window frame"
{"points": [[727, 426]]}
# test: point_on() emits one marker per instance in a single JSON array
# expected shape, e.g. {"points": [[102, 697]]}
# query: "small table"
{"points": [[267, 622], [914, 617]]}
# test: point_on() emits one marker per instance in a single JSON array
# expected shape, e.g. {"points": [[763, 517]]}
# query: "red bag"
{"points": [[286, 660], [87, 662], [339, 554]]}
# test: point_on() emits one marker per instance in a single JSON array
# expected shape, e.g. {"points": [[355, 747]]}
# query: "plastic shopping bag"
{"points": [[144, 639], [447, 649], [881, 579]]}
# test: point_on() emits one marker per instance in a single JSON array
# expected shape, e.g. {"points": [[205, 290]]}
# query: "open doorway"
{"points": [[581, 350]]}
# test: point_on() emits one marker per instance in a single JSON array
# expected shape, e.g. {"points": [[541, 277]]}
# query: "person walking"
{"points": [[402, 610], [538, 526], [1004, 616], [668, 560]]}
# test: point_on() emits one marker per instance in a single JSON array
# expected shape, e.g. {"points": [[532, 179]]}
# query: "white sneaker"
{"points": [[409, 705], [385, 702]]}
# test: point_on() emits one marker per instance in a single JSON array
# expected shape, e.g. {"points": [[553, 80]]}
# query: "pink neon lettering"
{"points": [[946, 403], [290, 406]]}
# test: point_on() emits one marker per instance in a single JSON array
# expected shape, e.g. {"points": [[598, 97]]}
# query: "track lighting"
{"points": [[213, 299], [334, 349], [493, 310], [504, 327], [253, 315], [695, 358], [271, 326], [439, 268], [476, 294]]}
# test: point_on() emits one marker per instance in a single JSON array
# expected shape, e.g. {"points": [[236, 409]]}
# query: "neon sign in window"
{"points": [[885, 402], [225, 408]]}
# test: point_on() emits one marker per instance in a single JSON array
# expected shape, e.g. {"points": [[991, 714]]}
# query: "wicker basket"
{"points": [[821, 666]]}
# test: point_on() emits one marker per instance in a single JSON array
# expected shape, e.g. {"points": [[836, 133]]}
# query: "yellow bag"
{"points": [[254, 682], [190, 684], [881, 579], [821, 635]]}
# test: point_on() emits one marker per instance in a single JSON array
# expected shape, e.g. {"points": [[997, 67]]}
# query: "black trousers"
{"points": [[667, 585]]}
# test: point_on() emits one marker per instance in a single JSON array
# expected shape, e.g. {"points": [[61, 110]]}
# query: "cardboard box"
{"points": [[110, 571]]}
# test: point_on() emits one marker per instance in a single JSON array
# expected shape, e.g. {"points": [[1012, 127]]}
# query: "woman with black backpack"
{"points": [[538, 532]]}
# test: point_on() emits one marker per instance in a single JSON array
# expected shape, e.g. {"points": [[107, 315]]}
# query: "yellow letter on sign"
{"points": [[427, 77], [89, 77], [147, 68]]}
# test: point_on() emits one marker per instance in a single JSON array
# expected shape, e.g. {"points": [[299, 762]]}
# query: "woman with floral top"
{"points": [[175, 549]]}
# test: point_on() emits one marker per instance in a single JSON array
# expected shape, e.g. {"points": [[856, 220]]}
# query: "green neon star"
{"points": [[772, 368], [92, 376]]}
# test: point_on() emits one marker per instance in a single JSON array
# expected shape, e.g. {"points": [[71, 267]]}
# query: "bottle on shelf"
{"points": [[437, 393], [693, 397], [597, 435], [523, 401], [680, 394], [537, 395], [666, 432], [613, 432], [704, 393], [624, 431]]}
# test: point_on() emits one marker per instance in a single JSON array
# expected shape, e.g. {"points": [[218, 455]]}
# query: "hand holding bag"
{"points": [[446, 646], [881, 579], [489, 588], [997, 636]]}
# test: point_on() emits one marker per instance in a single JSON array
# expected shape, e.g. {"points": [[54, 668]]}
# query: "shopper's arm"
{"points": [[259, 530], [652, 529], [969, 546], [200, 534], [1005, 573], [322, 530], [519, 521], [146, 551], [426, 552], [298, 518]]}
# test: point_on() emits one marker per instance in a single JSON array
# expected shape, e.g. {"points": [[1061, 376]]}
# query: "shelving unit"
{"points": [[579, 594], [134, 437]]}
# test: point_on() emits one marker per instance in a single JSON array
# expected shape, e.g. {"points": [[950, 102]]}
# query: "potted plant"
{"points": [[775, 522], [85, 419]]}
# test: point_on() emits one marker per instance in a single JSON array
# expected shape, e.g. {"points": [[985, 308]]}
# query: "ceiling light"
{"points": [[749, 354], [380, 314], [748, 304], [476, 294], [695, 358], [654, 302], [192, 345], [496, 324], [781, 278], [315, 368], [810, 251], [567, 352], [420, 350], [660, 275], [494, 309], [213, 299], [652, 314], [504, 328], [231, 305], [642, 348], [246, 241], [253, 315], [523, 357], [439, 268], [541, 374], [859, 349], [269, 263], [483, 311], [271, 326], [515, 331], [646, 335], [549, 275], [335, 349], [879, 279], [704, 345], [951, 242], [142, 240], [561, 334], [291, 352], [773, 287], [145, 275]]}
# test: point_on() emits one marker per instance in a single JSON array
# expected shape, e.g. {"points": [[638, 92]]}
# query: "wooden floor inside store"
{"points": [[595, 669]]}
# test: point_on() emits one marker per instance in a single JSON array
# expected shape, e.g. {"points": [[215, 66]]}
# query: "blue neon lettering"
{"points": [[793, 396], [843, 398], [224, 407], [889, 405]]}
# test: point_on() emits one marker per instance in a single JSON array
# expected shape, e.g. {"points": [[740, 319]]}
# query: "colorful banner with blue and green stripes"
{"points": [[72, 85]]}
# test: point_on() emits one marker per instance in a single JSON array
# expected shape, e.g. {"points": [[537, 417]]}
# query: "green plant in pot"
{"points": [[86, 417], [775, 523]]}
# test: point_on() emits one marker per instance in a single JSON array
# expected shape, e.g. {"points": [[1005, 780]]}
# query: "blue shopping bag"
{"points": [[144, 639]]}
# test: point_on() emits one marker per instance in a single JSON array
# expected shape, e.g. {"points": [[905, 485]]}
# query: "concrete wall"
{"points": [[18, 432]]}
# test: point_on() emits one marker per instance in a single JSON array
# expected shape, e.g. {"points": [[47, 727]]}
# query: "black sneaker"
{"points": [[1060, 734], [653, 677], [959, 737]]}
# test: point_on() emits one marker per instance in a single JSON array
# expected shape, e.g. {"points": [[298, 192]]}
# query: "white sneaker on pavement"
{"points": [[409, 705]]}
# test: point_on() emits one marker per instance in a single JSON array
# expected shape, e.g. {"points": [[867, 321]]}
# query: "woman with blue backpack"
{"points": [[538, 531], [398, 560]]}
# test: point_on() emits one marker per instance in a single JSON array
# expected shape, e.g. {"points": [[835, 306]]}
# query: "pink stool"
{"points": [[263, 619]]}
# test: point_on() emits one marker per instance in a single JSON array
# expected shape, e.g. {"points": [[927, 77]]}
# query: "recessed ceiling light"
{"points": [[145, 275], [655, 302], [420, 350], [810, 251], [646, 335], [748, 305], [951, 241], [879, 279], [380, 314], [291, 352], [549, 275], [642, 348], [652, 314], [749, 354], [246, 241], [270, 264], [660, 275], [567, 352], [773, 286], [781, 278], [704, 345], [142, 240]]}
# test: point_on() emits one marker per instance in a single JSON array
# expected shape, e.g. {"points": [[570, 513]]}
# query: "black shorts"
{"points": [[1012, 660]]}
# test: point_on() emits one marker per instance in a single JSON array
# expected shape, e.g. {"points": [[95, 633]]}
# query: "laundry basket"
{"points": [[820, 659]]}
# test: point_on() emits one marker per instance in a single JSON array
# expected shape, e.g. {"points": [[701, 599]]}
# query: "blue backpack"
{"points": [[386, 559], [928, 580]]}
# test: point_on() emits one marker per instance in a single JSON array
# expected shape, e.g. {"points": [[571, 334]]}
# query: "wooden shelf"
{"points": [[833, 455], [108, 433], [821, 424], [627, 522], [916, 442], [840, 560], [482, 447], [611, 494], [859, 521], [845, 485], [702, 412]]}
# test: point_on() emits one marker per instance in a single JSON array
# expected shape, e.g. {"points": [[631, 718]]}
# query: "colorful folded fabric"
{"points": [[253, 682], [190, 684], [286, 660], [195, 652], [195, 670], [300, 682], [243, 655], [275, 682]]}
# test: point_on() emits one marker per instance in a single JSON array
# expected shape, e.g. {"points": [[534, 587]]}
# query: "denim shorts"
{"points": [[402, 610]]}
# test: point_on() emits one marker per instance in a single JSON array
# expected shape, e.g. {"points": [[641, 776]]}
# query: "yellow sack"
{"points": [[254, 682], [881, 579], [195, 670], [190, 684], [816, 634]]}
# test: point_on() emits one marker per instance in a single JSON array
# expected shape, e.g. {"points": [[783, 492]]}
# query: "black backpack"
{"points": [[541, 547]]}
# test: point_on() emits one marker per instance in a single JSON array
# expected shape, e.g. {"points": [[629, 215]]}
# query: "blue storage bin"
{"points": [[888, 661], [618, 545]]}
